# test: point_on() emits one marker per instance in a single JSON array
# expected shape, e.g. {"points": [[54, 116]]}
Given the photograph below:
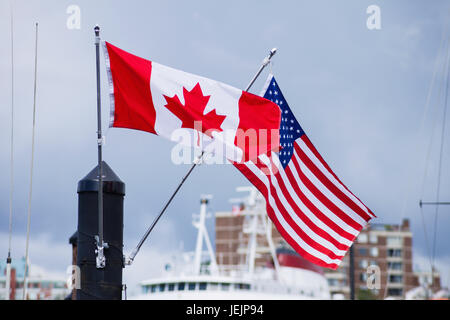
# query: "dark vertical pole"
{"points": [[100, 246], [352, 274]]}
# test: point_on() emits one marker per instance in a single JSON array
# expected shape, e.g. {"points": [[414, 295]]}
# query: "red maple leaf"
{"points": [[193, 109]]}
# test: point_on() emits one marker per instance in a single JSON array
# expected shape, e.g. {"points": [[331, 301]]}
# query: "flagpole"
{"points": [[133, 254], [263, 65], [101, 260]]}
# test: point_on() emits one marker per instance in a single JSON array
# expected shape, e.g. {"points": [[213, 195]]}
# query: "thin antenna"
{"points": [[25, 284], [11, 191]]}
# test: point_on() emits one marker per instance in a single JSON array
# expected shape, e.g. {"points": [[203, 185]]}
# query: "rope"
{"points": [[31, 170], [427, 161]]}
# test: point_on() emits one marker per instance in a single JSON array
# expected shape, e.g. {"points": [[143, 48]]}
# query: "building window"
{"points": [[395, 292], [373, 238], [171, 286], [225, 286], [244, 286], [191, 286], [363, 263], [213, 286], [58, 285], [181, 286], [394, 241], [362, 238], [394, 253], [393, 278], [395, 265], [374, 252], [363, 276], [362, 251], [44, 285], [162, 286], [333, 282]]}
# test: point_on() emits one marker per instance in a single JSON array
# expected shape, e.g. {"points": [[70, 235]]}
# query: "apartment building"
{"points": [[386, 248]]}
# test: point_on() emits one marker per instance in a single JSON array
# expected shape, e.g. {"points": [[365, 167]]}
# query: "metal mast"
{"points": [[203, 235], [11, 191], [101, 260]]}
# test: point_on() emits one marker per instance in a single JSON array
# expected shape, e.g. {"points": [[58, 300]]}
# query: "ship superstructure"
{"points": [[198, 275]]}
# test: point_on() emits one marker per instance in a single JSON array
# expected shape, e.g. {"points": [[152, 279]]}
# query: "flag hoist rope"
{"points": [[25, 284], [133, 254], [11, 190]]}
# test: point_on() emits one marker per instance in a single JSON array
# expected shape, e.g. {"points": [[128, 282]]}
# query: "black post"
{"points": [[352, 274], [100, 283]]}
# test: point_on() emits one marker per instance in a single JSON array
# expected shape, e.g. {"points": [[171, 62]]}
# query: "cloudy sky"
{"points": [[359, 94]]}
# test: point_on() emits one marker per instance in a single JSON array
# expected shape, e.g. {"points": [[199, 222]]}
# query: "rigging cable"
{"points": [[427, 161], [420, 129], [25, 284], [440, 158]]}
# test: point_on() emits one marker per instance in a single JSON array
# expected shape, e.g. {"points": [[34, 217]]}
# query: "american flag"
{"points": [[311, 208]]}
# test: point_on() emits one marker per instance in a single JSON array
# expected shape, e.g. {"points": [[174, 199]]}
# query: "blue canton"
{"points": [[290, 129]]}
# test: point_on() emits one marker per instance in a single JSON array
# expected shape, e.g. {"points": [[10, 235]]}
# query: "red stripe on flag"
{"points": [[330, 185], [270, 211], [319, 157], [287, 217], [306, 219], [322, 198], [322, 217], [133, 104]]}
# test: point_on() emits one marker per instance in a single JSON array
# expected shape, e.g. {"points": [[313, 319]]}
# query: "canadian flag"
{"points": [[151, 97]]}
